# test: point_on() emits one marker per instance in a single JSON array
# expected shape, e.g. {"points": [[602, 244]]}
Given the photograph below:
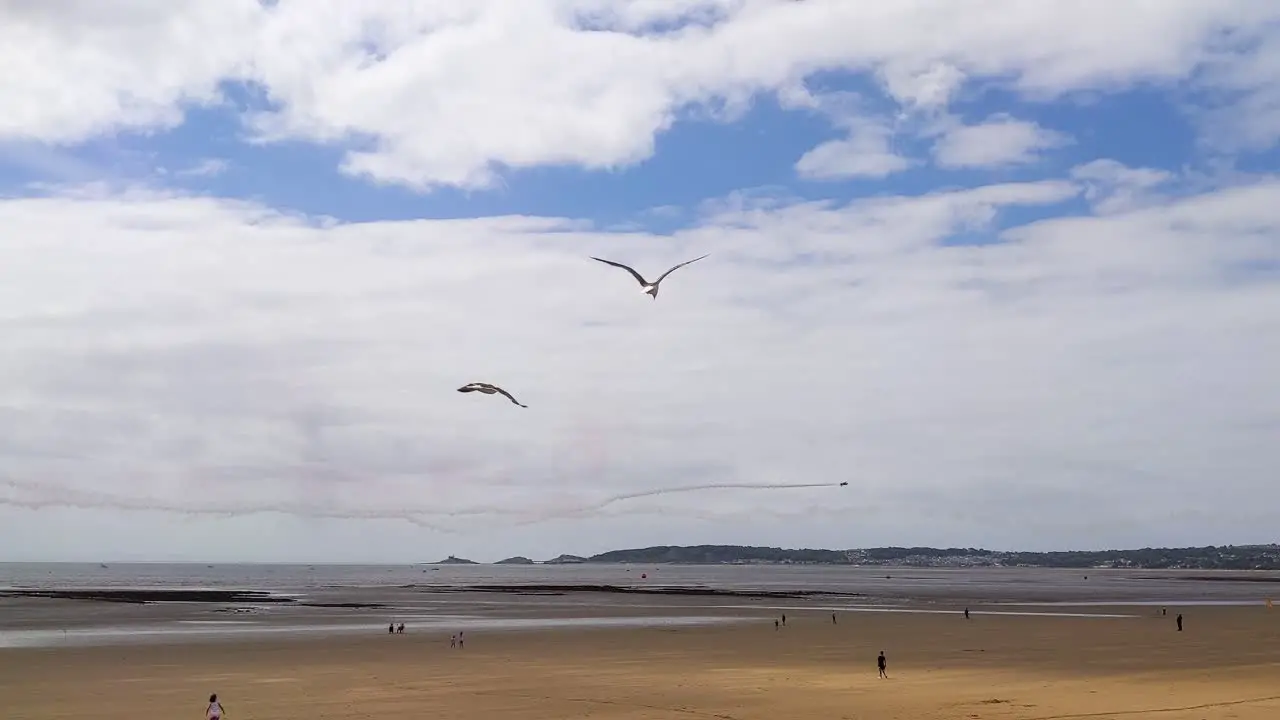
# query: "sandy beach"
{"points": [[1226, 664]]}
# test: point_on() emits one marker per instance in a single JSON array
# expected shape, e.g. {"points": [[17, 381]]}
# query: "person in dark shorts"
{"points": [[882, 664]]}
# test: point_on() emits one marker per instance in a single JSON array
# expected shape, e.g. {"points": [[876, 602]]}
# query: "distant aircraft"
{"points": [[844, 483]]}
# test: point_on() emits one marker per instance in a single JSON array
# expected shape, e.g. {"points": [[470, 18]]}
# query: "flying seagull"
{"points": [[650, 288], [488, 389]]}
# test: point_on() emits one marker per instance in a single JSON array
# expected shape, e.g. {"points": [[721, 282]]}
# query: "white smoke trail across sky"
{"points": [[539, 503], [580, 456], [37, 496], [32, 495], [706, 486], [586, 509]]}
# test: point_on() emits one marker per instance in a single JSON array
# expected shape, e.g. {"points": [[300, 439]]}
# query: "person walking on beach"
{"points": [[775, 623], [966, 613], [784, 621], [833, 619], [214, 711], [1179, 622], [453, 641], [461, 641], [883, 664]]}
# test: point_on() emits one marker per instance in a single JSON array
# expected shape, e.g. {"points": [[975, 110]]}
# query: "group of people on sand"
{"points": [[215, 710], [882, 663], [455, 641]]}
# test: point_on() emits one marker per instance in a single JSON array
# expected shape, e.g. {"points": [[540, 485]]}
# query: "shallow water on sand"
{"points": [[434, 598], [994, 583], [201, 630]]}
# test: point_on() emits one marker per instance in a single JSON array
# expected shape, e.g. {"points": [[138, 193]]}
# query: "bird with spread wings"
{"points": [[650, 288], [488, 389]]}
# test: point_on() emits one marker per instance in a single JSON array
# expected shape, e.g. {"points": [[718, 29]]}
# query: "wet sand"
{"points": [[1225, 665]]}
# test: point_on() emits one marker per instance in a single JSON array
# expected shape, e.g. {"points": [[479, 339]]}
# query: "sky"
{"points": [[1010, 269]]}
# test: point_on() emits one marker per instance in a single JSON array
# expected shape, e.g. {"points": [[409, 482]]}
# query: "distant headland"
{"points": [[1211, 557]]}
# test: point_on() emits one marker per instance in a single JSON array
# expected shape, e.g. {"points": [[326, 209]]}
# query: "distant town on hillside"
{"points": [[1211, 557]]}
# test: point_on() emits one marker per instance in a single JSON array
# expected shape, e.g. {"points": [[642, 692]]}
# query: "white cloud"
{"points": [[865, 153], [437, 93], [208, 167], [1001, 140], [1090, 377], [1248, 118], [925, 89], [1111, 186], [81, 68]]}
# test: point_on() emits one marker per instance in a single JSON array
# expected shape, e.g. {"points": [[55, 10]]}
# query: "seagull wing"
{"points": [[677, 267], [508, 396], [634, 274]]}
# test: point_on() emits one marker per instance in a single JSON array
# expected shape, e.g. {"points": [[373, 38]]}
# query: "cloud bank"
{"points": [[425, 94], [1084, 357]]}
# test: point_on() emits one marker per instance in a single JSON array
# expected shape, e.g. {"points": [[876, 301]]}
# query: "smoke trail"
{"points": [[580, 510], [39, 496], [33, 495], [708, 486]]}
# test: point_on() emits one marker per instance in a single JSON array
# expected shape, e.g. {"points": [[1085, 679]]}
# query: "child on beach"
{"points": [[214, 711]]}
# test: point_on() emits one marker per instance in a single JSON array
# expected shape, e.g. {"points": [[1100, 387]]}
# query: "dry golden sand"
{"points": [[1225, 665]]}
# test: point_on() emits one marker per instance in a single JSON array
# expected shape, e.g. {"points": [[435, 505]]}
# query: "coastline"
{"points": [[296, 643]]}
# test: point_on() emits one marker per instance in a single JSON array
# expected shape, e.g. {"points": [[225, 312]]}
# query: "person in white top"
{"points": [[214, 711]]}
